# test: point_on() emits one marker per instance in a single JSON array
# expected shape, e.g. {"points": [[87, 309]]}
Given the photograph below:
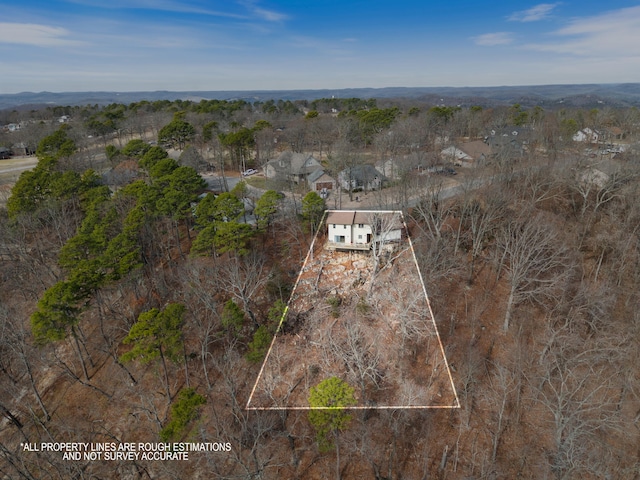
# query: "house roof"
{"points": [[418, 159], [354, 217], [345, 217], [401, 165], [362, 173], [317, 174], [366, 217], [615, 130], [475, 149], [361, 217], [295, 163], [508, 137], [455, 152], [511, 131]]}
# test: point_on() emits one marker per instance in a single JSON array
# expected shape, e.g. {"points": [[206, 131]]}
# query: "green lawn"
{"points": [[257, 182]]}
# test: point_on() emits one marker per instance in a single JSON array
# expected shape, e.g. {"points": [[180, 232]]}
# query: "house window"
{"points": [[359, 237], [360, 225], [334, 225], [344, 226]]}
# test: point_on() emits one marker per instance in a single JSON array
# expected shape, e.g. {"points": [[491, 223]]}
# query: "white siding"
{"points": [[337, 231], [393, 235], [362, 232]]}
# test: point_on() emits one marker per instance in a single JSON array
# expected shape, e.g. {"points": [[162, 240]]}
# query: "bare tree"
{"points": [[383, 228], [242, 277], [251, 456], [483, 220], [537, 185], [502, 386], [16, 344], [411, 319], [578, 387], [431, 210], [203, 306], [535, 261], [360, 353]]}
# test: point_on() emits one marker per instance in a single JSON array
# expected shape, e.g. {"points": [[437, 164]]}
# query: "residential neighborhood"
{"points": [[208, 266]]}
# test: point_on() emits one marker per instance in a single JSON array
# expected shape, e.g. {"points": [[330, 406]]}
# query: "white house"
{"points": [[358, 229], [587, 135]]}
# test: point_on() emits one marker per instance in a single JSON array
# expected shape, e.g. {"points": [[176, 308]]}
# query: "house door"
{"points": [[368, 238]]}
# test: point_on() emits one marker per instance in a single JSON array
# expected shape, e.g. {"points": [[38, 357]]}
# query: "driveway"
{"points": [[216, 183]]}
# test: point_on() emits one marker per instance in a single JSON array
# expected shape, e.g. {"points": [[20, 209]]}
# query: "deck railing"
{"points": [[347, 246]]}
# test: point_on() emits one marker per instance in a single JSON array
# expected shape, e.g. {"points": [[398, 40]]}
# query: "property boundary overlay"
{"points": [[286, 310]]}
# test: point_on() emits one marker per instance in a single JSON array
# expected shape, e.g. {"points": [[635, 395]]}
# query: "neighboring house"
{"points": [[607, 136], [587, 135], [509, 140], [22, 149], [390, 168], [455, 155], [321, 180], [614, 133], [358, 229], [292, 166], [365, 177], [466, 154], [398, 168]]}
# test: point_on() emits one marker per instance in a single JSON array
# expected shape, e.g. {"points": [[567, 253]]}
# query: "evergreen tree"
{"points": [[157, 334], [266, 208], [177, 133], [183, 411], [328, 401], [232, 317], [313, 207]]}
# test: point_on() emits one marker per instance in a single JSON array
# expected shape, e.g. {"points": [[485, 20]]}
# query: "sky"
{"points": [[201, 45]]}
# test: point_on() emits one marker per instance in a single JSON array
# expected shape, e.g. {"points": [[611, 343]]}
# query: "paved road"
{"points": [[26, 163]]}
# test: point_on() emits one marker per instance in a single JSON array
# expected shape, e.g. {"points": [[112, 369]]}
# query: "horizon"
{"points": [[262, 90], [261, 45]]}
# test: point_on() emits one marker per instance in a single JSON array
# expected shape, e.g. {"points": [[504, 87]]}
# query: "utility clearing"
{"points": [[365, 320]]}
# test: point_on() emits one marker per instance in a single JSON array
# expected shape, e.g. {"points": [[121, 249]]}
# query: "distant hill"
{"points": [[546, 96]]}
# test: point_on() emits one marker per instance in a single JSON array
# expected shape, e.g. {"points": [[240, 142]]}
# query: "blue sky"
{"points": [[133, 45]]}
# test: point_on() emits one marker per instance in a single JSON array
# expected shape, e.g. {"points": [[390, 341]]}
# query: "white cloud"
{"points": [[263, 13], [160, 5], [614, 34], [270, 15], [35, 34], [493, 39], [534, 14]]}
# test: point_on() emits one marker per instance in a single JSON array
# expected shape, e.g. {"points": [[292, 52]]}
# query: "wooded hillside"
{"points": [[137, 304]]}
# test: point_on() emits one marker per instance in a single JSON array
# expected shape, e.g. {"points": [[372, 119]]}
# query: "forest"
{"points": [[138, 301]]}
